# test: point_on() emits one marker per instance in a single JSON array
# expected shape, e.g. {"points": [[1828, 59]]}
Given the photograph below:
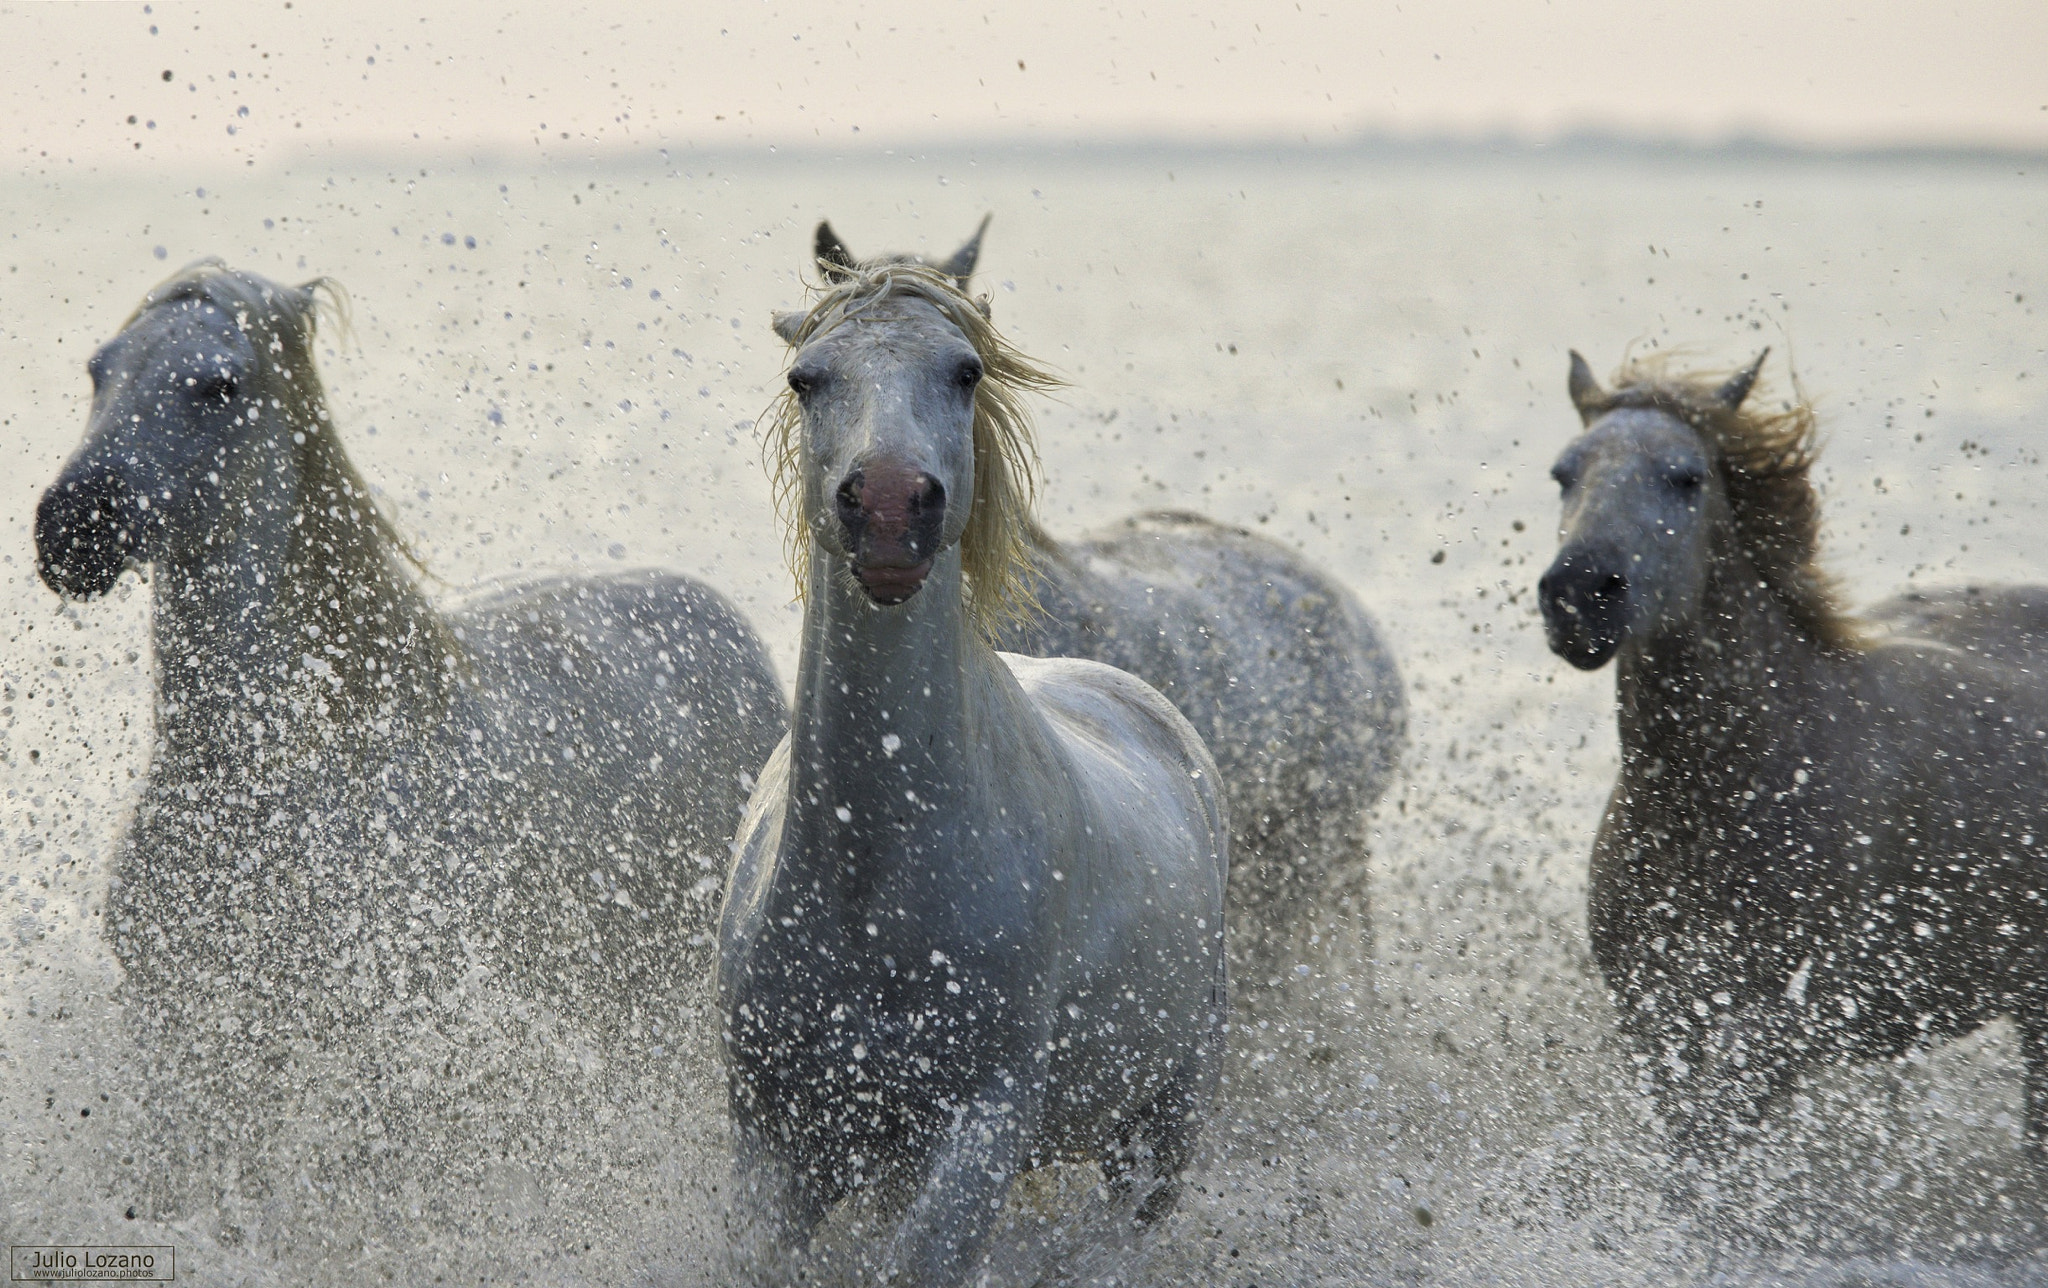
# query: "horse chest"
{"points": [[1706, 877], [859, 1055], [1823, 882]]}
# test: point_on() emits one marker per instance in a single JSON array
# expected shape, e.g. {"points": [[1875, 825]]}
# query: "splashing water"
{"points": [[1387, 400]]}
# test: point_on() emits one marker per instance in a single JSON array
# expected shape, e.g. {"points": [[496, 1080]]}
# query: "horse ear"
{"points": [[1587, 395], [1731, 394], [831, 252], [308, 297], [787, 323], [961, 266]]}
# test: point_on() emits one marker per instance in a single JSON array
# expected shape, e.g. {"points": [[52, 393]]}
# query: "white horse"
{"points": [[975, 919], [359, 807], [1274, 661]]}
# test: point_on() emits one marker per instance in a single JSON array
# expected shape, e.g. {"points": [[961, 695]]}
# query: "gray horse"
{"points": [[1829, 839], [358, 807], [1272, 660], [975, 922]]}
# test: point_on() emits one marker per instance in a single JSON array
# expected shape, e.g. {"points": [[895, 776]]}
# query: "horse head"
{"points": [[1645, 488], [191, 406], [902, 435]]}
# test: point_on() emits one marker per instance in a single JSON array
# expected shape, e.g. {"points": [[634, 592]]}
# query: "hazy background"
{"points": [[258, 83], [1312, 270]]}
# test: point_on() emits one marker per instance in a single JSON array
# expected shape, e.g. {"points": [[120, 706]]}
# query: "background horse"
{"points": [[1827, 843], [361, 811], [1272, 660], [975, 918]]}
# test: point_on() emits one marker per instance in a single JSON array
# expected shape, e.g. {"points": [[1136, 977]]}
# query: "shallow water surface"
{"points": [[1362, 355]]}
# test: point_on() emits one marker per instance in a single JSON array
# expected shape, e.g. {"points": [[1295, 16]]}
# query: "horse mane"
{"points": [[1766, 458], [338, 510], [1000, 543]]}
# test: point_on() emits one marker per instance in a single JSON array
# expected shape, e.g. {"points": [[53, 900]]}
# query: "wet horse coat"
{"points": [[975, 919], [1274, 662], [1827, 843], [363, 813]]}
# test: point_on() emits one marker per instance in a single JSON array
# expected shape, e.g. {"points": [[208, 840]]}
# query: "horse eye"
{"points": [[970, 373], [219, 387], [1687, 480]]}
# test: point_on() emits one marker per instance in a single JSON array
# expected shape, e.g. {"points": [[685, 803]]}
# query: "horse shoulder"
{"points": [[755, 848], [1128, 743], [1142, 896]]}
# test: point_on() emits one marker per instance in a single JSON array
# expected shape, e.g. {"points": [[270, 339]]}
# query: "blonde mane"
{"points": [[996, 549], [1766, 458]]}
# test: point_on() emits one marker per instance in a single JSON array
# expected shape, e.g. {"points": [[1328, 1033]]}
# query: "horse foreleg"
{"points": [[788, 1208], [1745, 1067], [1168, 1127], [2034, 1057], [942, 1235]]}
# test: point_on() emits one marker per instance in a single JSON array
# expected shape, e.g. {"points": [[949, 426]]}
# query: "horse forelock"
{"points": [[997, 547], [1766, 457], [257, 304]]}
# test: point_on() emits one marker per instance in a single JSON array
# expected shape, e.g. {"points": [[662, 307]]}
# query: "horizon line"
{"points": [[1587, 142]]}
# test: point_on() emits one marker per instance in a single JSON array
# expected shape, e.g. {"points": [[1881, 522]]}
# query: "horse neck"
{"points": [[1720, 697], [289, 628], [893, 712]]}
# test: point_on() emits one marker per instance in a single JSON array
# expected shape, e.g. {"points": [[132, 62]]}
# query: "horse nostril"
{"points": [[1570, 586], [84, 534], [888, 511], [847, 499]]}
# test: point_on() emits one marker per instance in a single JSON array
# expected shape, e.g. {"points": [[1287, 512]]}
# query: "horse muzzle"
{"points": [[891, 520], [87, 531], [889, 586], [1585, 609]]}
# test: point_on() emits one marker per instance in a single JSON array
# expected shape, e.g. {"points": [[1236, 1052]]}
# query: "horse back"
{"points": [[2007, 624], [647, 677], [1277, 666], [630, 714]]}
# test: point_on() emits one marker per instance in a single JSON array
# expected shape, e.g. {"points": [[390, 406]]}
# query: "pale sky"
{"points": [[267, 81]]}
